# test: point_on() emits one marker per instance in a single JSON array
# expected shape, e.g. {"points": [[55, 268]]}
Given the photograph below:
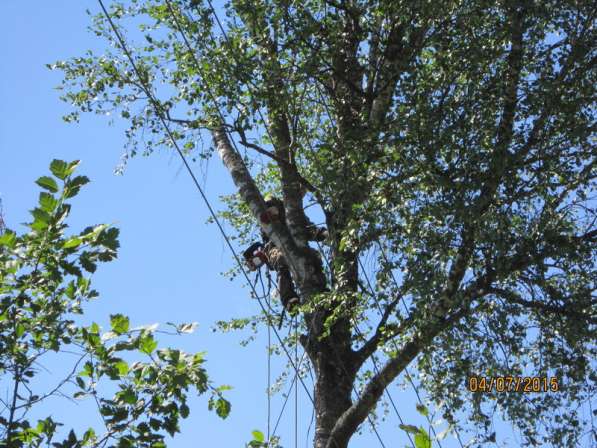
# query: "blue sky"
{"points": [[170, 263]]}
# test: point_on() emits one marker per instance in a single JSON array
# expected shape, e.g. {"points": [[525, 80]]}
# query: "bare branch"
{"points": [[382, 332]]}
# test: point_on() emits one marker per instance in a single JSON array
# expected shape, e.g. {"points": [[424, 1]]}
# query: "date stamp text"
{"points": [[524, 384]]}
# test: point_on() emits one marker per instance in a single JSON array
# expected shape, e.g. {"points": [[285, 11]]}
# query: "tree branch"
{"points": [[382, 333], [395, 58], [505, 132], [276, 98], [360, 409], [355, 415], [303, 266], [512, 297]]}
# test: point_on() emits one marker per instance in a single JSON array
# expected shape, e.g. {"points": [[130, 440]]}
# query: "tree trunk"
{"points": [[333, 390]]}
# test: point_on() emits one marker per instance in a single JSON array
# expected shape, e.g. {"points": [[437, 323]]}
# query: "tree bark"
{"points": [[333, 390]]}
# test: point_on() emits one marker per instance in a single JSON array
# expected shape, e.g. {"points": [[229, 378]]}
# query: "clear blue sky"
{"points": [[170, 262]]}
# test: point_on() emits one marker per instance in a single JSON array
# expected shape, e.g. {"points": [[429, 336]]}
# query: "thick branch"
{"points": [[346, 425], [305, 271], [395, 59], [505, 130], [356, 414], [292, 182]]}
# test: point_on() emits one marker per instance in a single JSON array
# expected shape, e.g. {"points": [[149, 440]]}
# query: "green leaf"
{"points": [[108, 237], [79, 394], [87, 263], [72, 166], [41, 216], [72, 242], [78, 181], [19, 330], [47, 183], [184, 410], [59, 168], [89, 437], [422, 409], [47, 202], [147, 344], [122, 367], [127, 396], [8, 239], [73, 187], [222, 407], [94, 328], [198, 358], [409, 428], [120, 323], [87, 369], [258, 436], [422, 439]]}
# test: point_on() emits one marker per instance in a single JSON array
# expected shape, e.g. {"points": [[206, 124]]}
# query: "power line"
{"points": [[287, 396], [160, 115]]}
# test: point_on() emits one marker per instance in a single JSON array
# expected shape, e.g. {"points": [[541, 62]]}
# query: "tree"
{"points": [[448, 144], [44, 285]]}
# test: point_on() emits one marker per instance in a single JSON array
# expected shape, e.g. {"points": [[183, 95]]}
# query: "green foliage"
{"points": [[44, 284], [119, 323], [259, 441], [421, 437]]}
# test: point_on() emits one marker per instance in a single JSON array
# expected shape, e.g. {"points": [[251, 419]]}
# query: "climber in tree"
{"points": [[266, 252]]}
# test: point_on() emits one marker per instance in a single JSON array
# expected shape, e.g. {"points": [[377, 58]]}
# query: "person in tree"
{"points": [[265, 252]]}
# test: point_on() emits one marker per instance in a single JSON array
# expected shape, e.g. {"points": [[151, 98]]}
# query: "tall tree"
{"points": [[450, 145]]}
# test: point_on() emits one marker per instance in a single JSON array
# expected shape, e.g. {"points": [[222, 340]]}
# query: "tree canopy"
{"points": [[449, 147]]}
